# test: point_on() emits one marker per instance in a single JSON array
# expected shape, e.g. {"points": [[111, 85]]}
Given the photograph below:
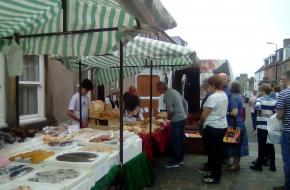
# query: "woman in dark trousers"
{"points": [[205, 168], [237, 151], [215, 125]]}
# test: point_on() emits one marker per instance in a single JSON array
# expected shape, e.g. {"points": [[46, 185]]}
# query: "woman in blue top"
{"points": [[236, 113]]}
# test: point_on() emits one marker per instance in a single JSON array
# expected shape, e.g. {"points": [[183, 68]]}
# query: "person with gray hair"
{"points": [[177, 109]]}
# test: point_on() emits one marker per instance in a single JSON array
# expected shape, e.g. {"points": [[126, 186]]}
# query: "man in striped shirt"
{"points": [[283, 113], [265, 107]]}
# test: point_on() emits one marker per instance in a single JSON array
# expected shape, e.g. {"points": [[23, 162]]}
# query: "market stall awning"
{"points": [[138, 54], [81, 15], [39, 17], [17, 16]]}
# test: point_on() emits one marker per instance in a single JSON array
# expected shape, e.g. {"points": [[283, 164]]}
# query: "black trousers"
{"points": [[264, 149], [204, 140], [214, 142]]}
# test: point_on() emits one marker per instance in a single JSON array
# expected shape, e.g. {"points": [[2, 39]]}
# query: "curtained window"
{"points": [[31, 89]]}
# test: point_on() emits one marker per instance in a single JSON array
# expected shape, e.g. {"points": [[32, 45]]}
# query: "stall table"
{"points": [[161, 137]]}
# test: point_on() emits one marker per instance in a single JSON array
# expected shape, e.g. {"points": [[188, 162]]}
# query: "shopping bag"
{"points": [[274, 130], [233, 135]]}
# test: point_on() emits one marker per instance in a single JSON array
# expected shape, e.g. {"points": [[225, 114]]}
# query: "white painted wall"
{"points": [[258, 78]]}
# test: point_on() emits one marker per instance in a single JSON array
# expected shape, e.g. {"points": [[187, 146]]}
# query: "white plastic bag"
{"points": [[274, 130]]}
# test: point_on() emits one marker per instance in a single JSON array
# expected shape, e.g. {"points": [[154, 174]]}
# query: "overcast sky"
{"points": [[237, 30]]}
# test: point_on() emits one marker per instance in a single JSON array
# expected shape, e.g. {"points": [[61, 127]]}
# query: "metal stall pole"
{"points": [[80, 94], [151, 93], [64, 15], [121, 106], [16, 36]]}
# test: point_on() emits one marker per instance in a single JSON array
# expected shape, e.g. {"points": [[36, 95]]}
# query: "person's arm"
{"points": [[251, 102], [185, 105], [280, 105], [234, 106], [72, 115], [209, 104], [205, 113], [169, 105], [280, 114]]}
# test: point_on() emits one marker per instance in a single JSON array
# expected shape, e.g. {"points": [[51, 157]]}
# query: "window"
{"points": [[2, 91], [31, 90]]}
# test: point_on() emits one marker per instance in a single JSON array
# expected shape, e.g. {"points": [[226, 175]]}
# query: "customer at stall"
{"points": [[74, 105], [241, 149], [215, 126], [205, 86], [283, 113], [131, 102], [252, 101], [225, 83], [225, 87], [177, 109], [265, 107]]}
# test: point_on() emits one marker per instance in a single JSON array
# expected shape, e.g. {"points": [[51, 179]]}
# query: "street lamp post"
{"points": [[276, 66]]}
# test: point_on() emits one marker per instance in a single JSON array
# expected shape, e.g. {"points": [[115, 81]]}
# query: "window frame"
{"points": [[2, 92], [40, 116]]}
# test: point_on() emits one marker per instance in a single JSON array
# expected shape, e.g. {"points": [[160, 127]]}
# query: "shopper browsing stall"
{"points": [[74, 105], [177, 109]]}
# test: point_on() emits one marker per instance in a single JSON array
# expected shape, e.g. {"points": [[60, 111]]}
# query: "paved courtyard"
{"points": [[187, 177]]}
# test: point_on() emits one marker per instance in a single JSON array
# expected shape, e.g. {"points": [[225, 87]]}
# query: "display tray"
{"points": [[18, 167], [101, 157], [63, 185]]}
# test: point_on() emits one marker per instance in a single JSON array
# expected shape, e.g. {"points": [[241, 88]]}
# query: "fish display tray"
{"points": [[100, 159], [64, 185]]}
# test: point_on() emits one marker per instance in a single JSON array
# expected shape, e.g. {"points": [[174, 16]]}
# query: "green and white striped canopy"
{"points": [[137, 54], [17, 16], [45, 16], [82, 15]]}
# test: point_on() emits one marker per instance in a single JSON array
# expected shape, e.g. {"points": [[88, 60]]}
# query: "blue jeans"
{"points": [[178, 137], [285, 148]]}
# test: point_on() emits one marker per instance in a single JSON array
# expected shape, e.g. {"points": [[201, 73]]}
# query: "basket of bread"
{"points": [[96, 108]]}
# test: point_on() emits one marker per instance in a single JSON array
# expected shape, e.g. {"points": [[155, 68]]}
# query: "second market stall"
{"points": [[139, 54]]}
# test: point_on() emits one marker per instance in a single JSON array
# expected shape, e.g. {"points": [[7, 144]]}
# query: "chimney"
{"points": [[286, 42]]}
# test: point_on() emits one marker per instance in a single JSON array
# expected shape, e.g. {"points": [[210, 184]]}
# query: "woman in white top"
{"points": [[215, 126]]}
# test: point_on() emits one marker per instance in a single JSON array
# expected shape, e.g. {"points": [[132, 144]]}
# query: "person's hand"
{"points": [[85, 124]]}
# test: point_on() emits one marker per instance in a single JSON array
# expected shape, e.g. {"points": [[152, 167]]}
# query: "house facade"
{"points": [[259, 76], [274, 66], [45, 88]]}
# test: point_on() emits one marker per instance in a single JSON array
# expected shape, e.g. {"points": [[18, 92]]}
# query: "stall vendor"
{"points": [[74, 105], [114, 97], [131, 102]]}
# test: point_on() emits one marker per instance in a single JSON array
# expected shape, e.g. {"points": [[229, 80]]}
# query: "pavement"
{"points": [[187, 177]]}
